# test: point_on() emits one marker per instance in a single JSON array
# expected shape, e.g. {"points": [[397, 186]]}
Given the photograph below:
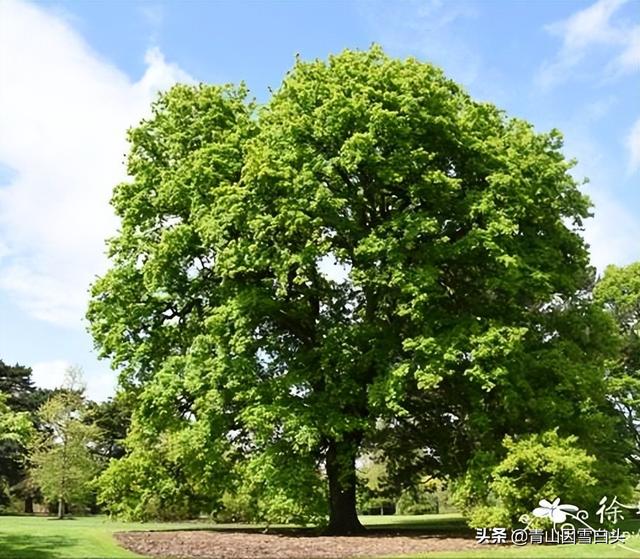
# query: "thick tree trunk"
{"points": [[341, 472], [60, 508]]}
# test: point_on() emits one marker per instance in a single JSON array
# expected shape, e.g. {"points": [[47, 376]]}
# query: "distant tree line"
{"points": [[53, 442]]}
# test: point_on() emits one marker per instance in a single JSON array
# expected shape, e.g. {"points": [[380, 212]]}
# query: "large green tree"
{"points": [[371, 251]]}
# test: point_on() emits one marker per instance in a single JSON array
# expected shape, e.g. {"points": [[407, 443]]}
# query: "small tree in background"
{"points": [[374, 495], [63, 464]]}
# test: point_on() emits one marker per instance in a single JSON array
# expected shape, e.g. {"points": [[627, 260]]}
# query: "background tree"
{"points": [[21, 396], [112, 419], [373, 495], [13, 426], [63, 463], [17, 384], [370, 251], [16, 431], [618, 292]]}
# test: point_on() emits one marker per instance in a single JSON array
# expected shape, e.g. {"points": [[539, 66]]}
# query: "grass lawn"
{"points": [[30, 537], [43, 538], [27, 537]]}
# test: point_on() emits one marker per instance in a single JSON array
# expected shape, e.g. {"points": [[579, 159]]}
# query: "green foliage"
{"points": [[374, 496], [16, 432], [463, 316], [417, 501], [235, 507], [17, 385], [113, 419], [14, 426], [283, 487], [534, 467], [22, 397], [618, 292], [163, 479], [140, 487]]}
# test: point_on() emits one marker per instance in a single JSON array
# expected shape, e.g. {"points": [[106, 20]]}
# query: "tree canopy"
{"points": [[372, 258]]}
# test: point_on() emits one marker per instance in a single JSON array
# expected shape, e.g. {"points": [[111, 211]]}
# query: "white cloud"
{"points": [[424, 28], [64, 111], [101, 386], [588, 28], [612, 233], [50, 374], [153, 15], [4, 250], [629, 58], [633, 145]]}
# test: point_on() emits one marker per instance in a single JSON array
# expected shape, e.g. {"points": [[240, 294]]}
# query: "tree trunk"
{"points": [[341, 472], [60, 508], [28, 505]]}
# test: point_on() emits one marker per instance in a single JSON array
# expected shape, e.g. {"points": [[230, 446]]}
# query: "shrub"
{"points": [[541, 466]]}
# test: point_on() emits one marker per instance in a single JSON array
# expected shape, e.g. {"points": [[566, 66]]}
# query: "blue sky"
{"points": [[74, 75]]}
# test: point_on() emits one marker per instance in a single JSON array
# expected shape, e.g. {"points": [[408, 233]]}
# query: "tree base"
{"points": [[344, 529]]}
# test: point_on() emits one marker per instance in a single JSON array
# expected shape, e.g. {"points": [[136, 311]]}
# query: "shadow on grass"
{"points": [[17, 546], [446, 526]]}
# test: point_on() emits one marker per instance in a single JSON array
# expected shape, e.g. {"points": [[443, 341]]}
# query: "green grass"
{"points": [[35, 537], [28, 537]]}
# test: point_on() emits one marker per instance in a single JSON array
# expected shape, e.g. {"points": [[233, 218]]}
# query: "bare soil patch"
{"points": [[243, 545]]}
